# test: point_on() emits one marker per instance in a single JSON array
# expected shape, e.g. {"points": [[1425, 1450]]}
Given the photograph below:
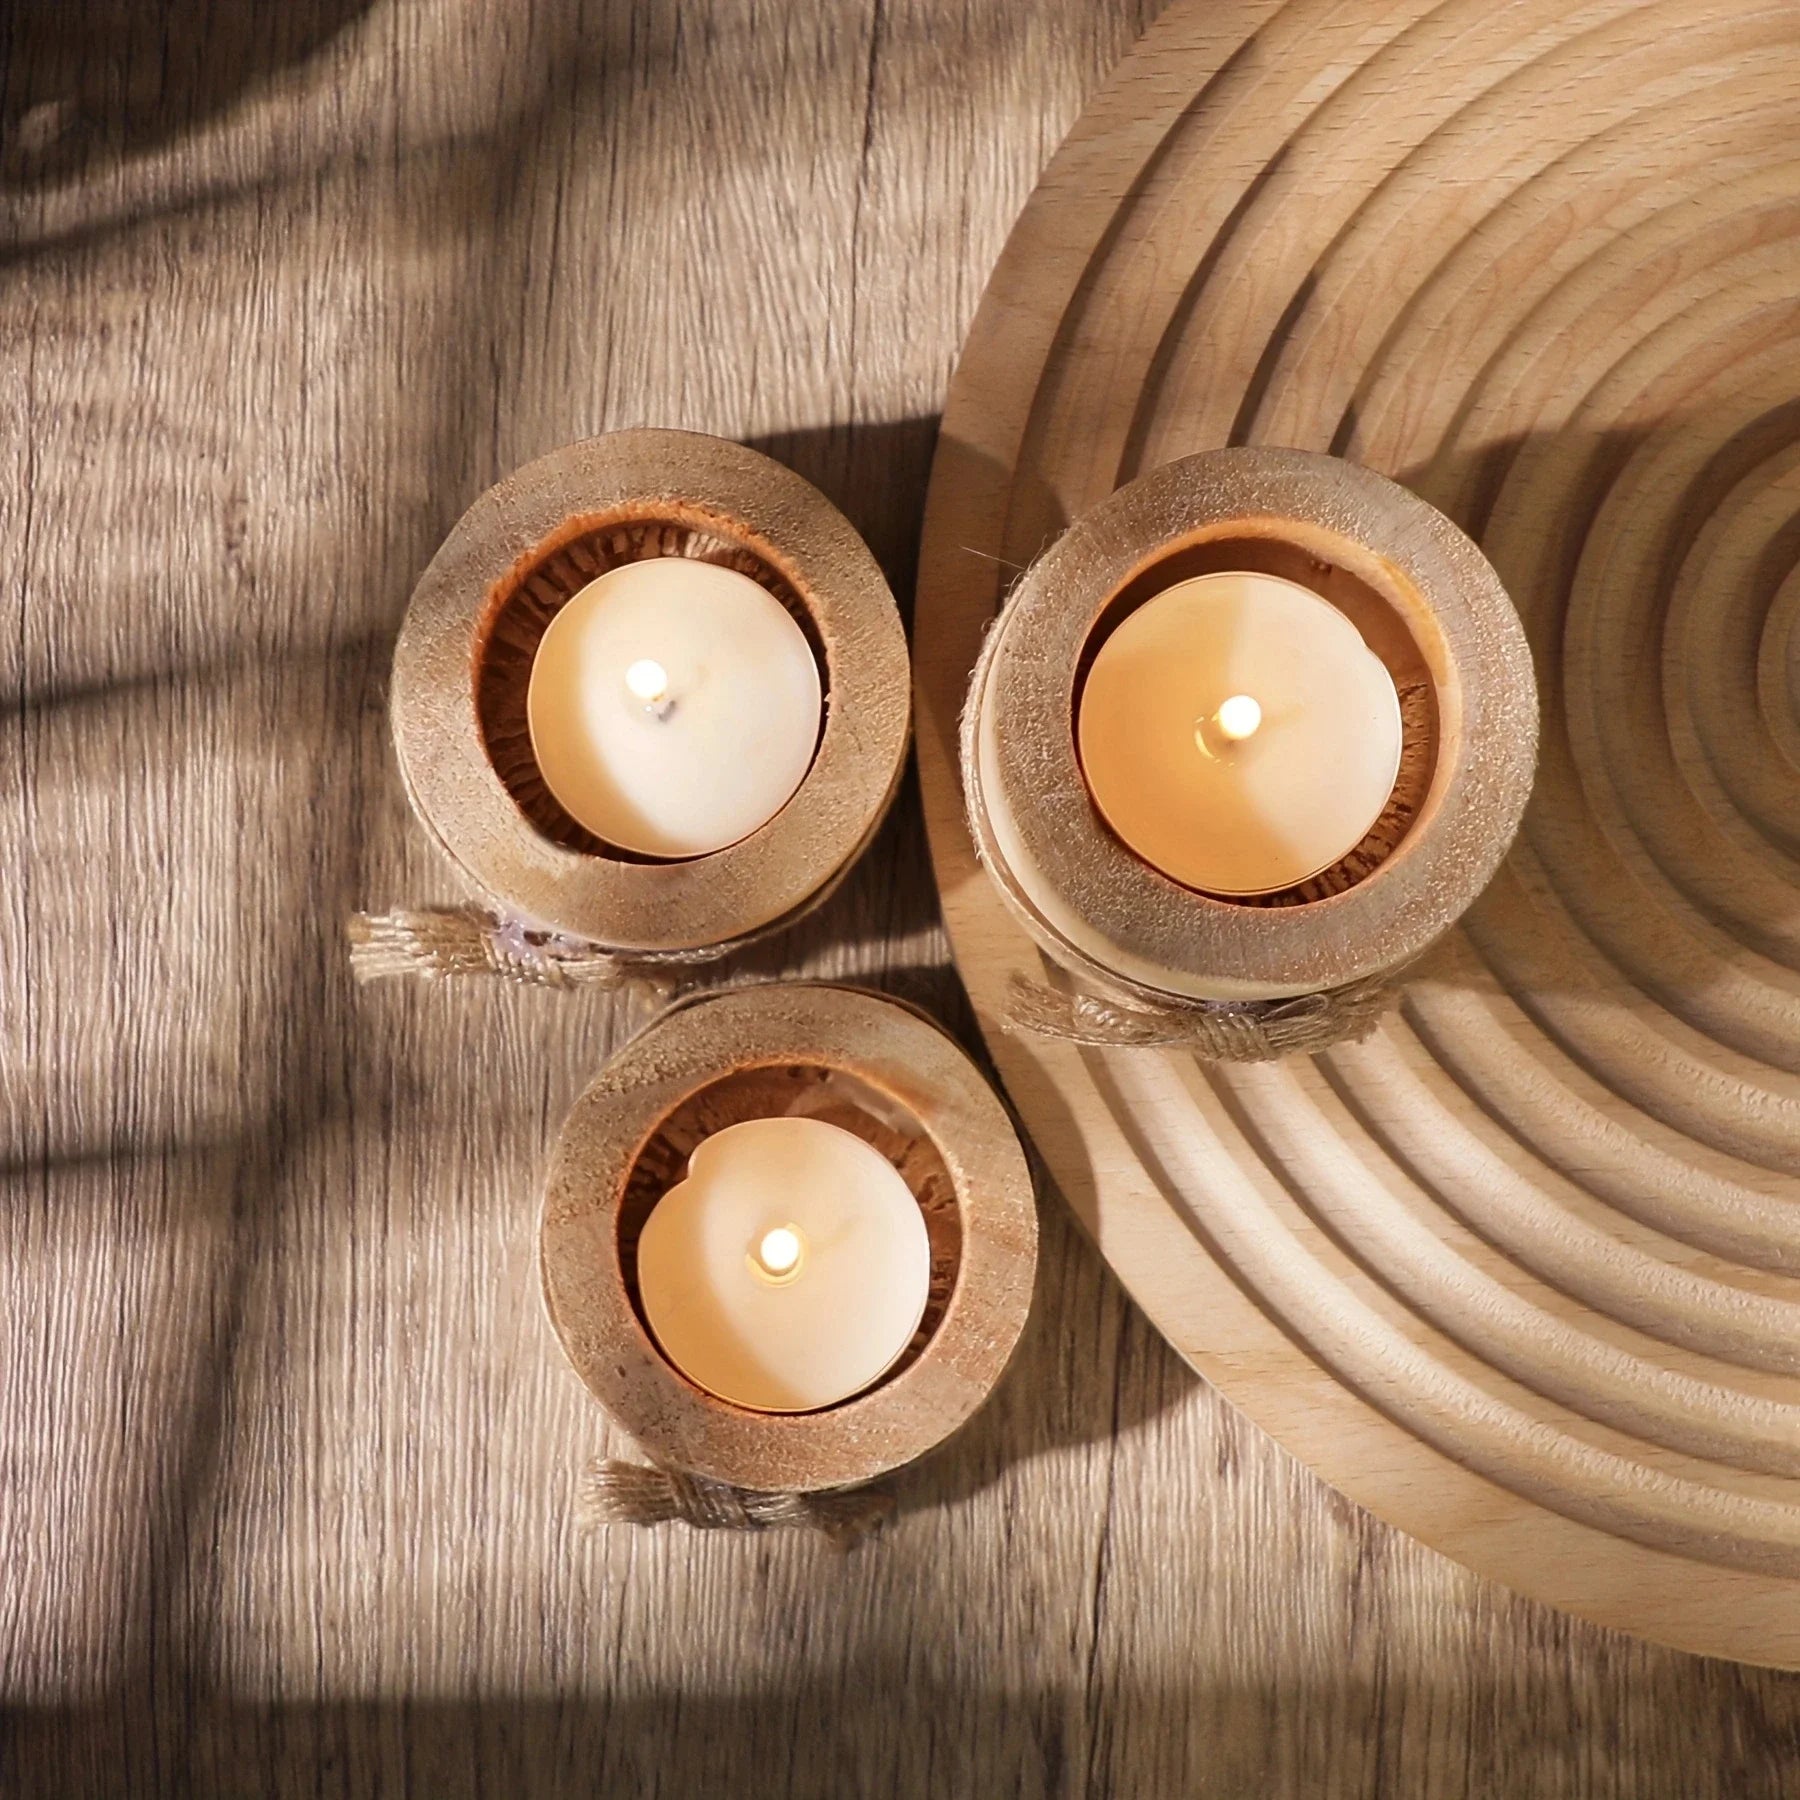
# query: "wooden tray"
{"points": [[1518, 1274]]}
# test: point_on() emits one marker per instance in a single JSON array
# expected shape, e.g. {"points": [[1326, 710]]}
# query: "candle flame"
{"points": [[1239, 717], [647, 680], [780, 1250]]}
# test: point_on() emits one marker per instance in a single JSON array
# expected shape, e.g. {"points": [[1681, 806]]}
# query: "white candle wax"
{"points": [[674, 706], [789, 1270], [1238, 734]]}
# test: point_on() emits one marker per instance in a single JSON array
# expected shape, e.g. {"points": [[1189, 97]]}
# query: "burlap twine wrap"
{"points": [[437, 943], [622, 1493], [1250, 1031], [1254, 1031]]}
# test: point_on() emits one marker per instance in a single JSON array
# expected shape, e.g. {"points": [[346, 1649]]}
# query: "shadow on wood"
{"points": [[887, 1723], [89, 83]]}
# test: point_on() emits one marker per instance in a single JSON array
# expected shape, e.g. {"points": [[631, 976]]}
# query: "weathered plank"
{"points": [[289, 1452]]}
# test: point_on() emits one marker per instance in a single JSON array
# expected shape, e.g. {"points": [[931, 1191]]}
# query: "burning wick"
{"points": [[780, 1251], [1238, 718], [649, 681]]}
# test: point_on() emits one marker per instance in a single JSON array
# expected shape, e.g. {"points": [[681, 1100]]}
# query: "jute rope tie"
{"points": [[1249, 1031], [1257, 1031], [437, 943], [623, 1493]]}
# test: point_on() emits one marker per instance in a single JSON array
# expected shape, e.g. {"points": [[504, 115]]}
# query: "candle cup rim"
{"points": [[693, 483], [1167, 938], [898, 1052]]}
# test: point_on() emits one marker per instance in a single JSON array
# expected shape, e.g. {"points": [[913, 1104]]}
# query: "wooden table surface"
{"points": [[289, 1454]]}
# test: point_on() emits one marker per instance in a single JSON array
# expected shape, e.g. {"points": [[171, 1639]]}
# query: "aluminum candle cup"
{"points": [[1406, 590], [831, 1057], [740, 725]]}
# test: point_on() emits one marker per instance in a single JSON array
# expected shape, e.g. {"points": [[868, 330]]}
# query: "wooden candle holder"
{"points": [[462, 668], [857, 1060], [1426, 602]]}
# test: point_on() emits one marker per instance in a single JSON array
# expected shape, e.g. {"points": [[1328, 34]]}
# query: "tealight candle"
{"points": [[1238, 734], [1348, 731], [709, 1087], [674, 706], [789, 1270]]}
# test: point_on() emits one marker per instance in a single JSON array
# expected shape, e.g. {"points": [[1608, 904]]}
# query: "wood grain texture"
{"points": [[462, 675], [903, 1086], [289, 1455], [1449, 630], [1476, 1269]]}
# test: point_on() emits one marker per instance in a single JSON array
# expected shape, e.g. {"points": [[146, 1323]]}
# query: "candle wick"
{"points": [[779, 1253], [648, 681], [1239, 717]]}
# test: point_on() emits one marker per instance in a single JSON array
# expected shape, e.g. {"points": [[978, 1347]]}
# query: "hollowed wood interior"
{"points": [[532, 593], [1384, 629], [815, 1092]]}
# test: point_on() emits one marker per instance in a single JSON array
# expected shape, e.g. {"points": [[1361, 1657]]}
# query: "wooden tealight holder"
{"points": [[1425, 601], [854, 1059], [462, 669]]}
